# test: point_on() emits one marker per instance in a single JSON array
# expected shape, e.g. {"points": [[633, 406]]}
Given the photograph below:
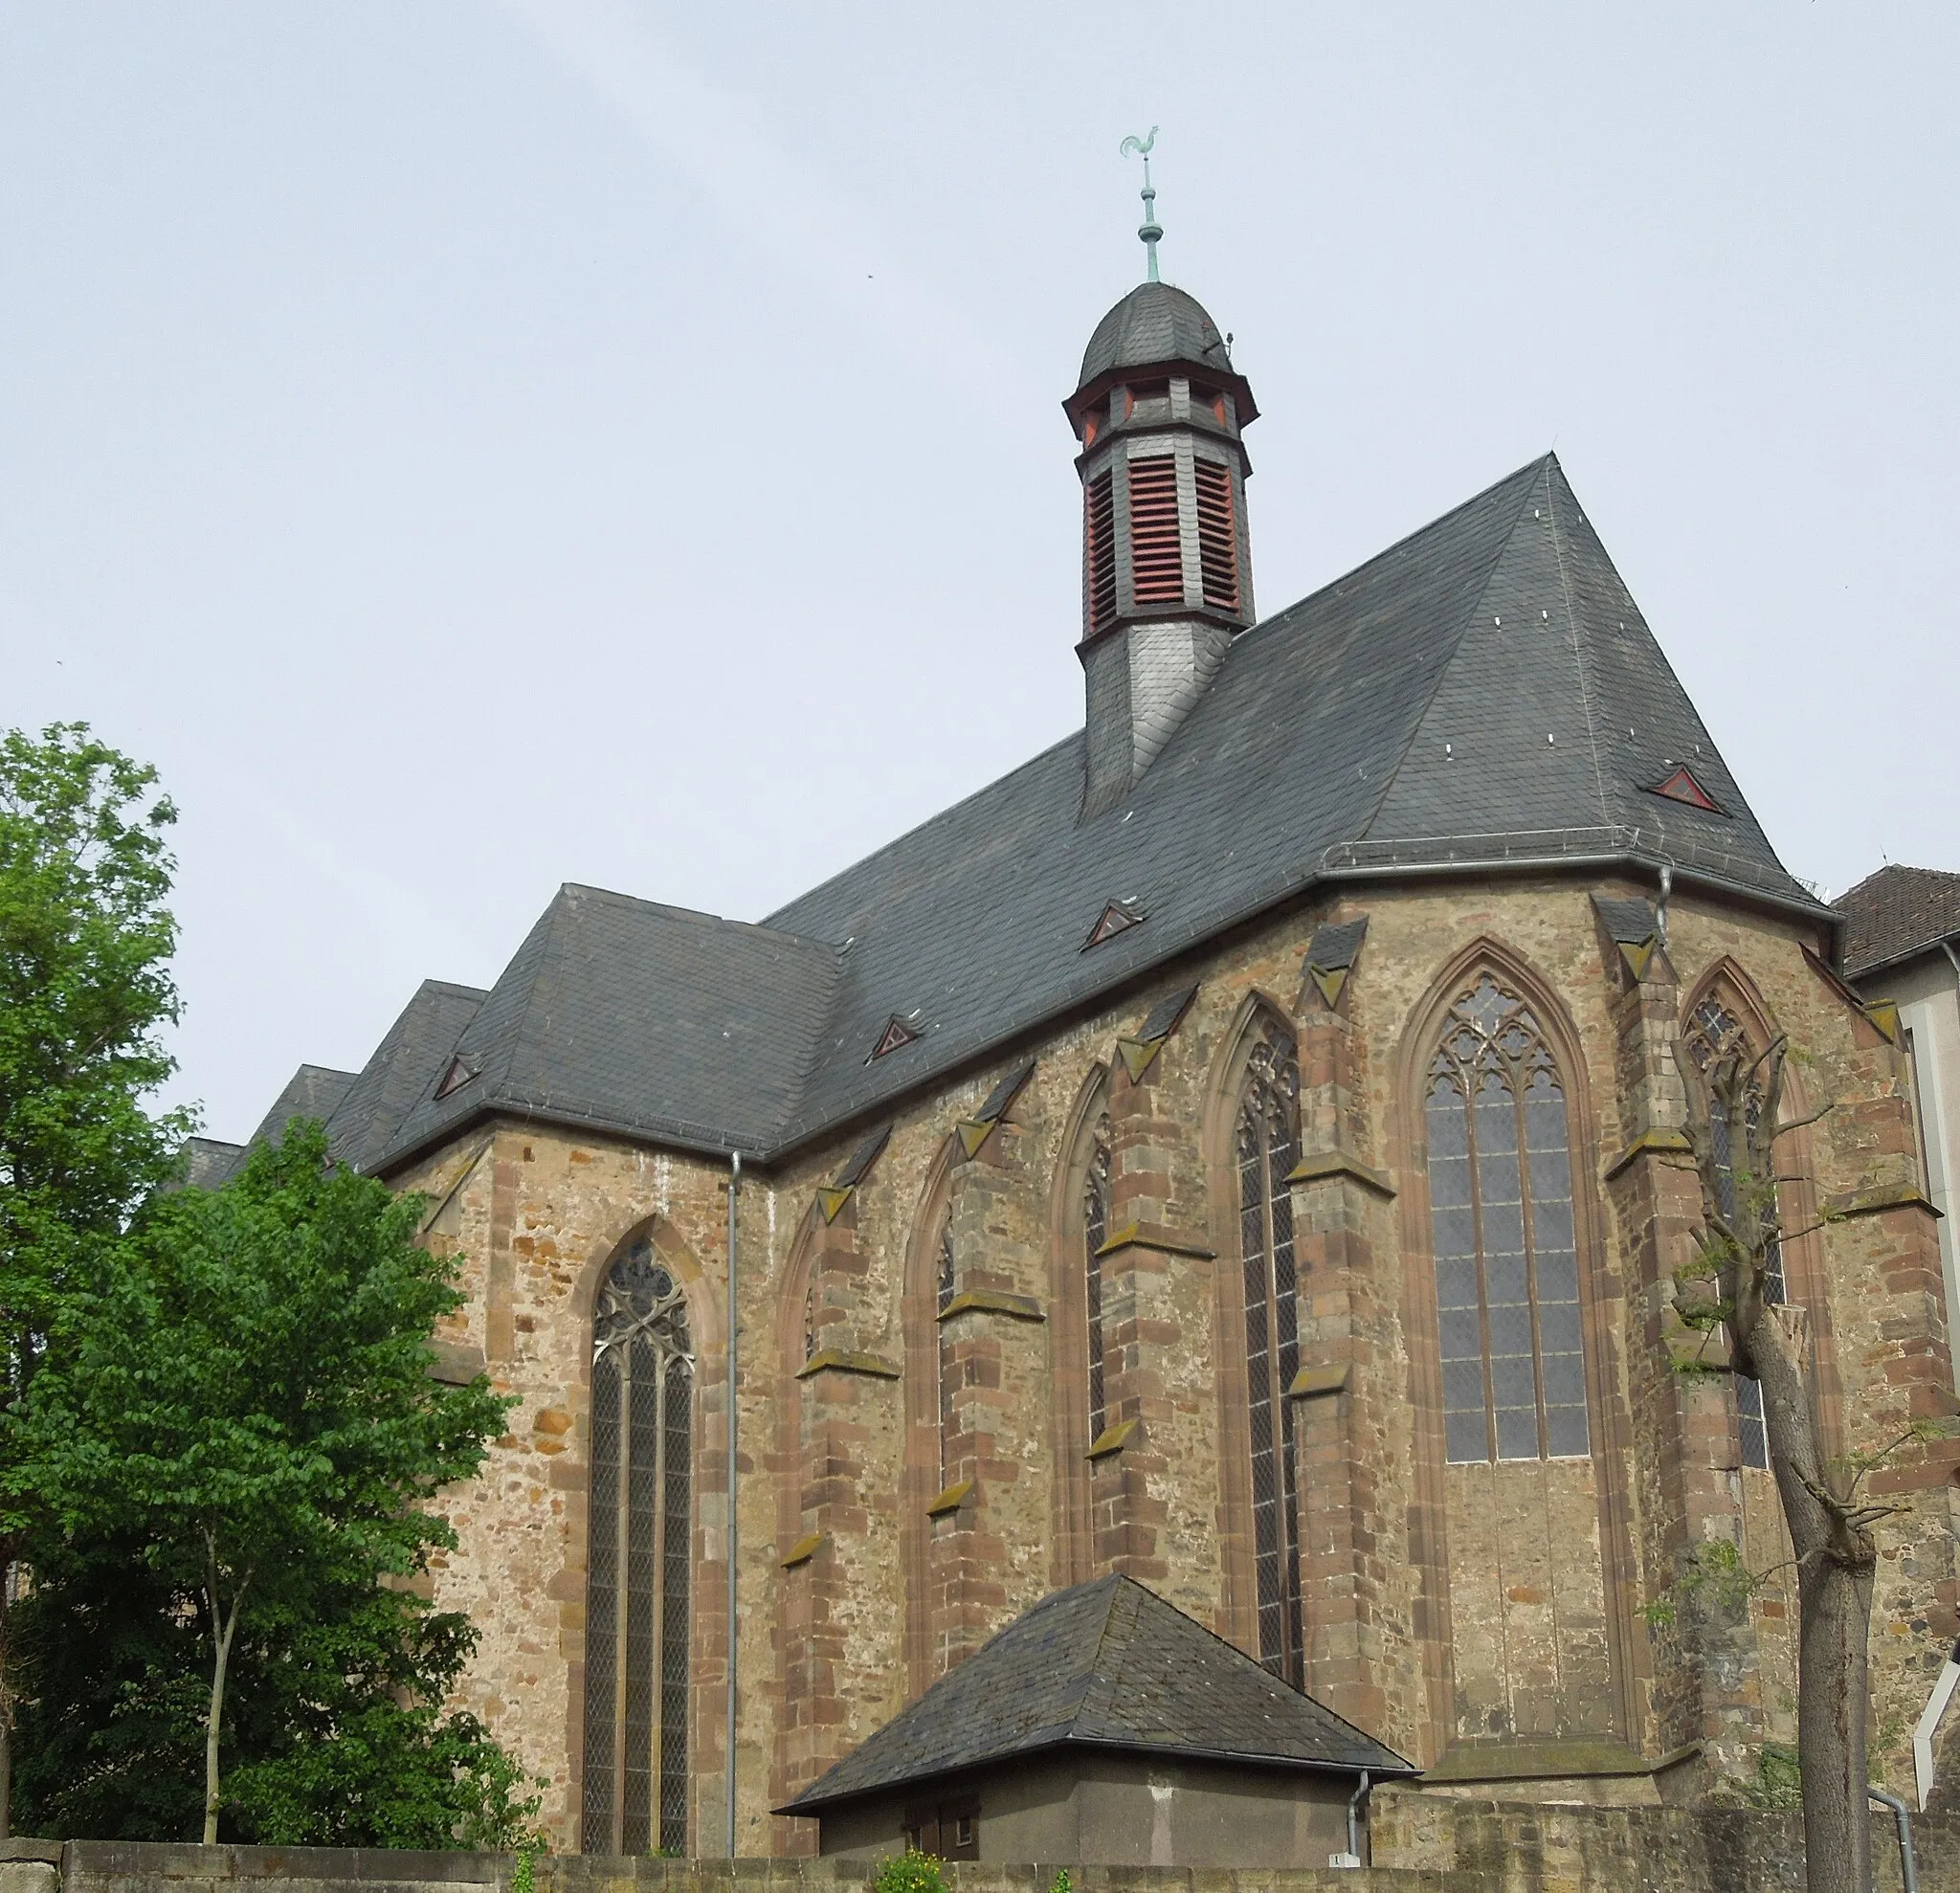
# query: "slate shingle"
{"points": [[1109, 1665], [1397, 719]]}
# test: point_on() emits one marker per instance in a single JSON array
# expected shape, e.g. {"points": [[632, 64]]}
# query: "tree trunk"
{"points": [[1836, 1602], [211, 1731], [222, 1631], [1836, 1564]]}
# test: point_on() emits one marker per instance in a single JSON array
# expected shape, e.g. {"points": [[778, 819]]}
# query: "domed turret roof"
{"points": [[1154, 322]]}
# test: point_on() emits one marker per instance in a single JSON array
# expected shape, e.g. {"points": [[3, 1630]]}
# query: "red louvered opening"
{"points": [[1156, 554], [1218, 541], [1098, 552]]}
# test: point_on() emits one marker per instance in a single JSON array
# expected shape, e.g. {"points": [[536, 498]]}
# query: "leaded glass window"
{"points": [[1095, 1233], [944, 1295], [1267, 1139], [1713, 1030], [638, 1564], [1503, 1235]]}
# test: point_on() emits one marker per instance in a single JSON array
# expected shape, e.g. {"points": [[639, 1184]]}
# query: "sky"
{"points": [[471, 447]]}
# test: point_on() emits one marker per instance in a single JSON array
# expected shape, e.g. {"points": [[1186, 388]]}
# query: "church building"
{"points": [[1237, 1152]]}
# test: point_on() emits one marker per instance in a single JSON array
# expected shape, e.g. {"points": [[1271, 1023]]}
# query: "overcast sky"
{"points": [[470, 447]]}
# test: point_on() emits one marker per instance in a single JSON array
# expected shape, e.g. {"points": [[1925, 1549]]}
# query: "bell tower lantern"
{"points": [[1166, 567]]}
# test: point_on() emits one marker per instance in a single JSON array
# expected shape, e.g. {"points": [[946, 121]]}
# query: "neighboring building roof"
{"points": [[417, 1045], [1483, 693], [1899, 911], [313, 1091], [208, 1162], [1107, 1665], [1155, 324]]}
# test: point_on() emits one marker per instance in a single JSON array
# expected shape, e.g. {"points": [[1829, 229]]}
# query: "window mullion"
{"points": [[622, 1539], [1528, 1222], [1469, 1081]]}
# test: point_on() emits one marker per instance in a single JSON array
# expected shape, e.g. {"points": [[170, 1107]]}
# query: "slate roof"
{"points": [[388, 1086], [313, 1091], [1156, 322], [1899, 911], [645, 1018], [1107, 1666], [1484, 692], [208, 1162]]}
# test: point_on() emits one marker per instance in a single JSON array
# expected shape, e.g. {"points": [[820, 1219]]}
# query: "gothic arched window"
{"points": [[636, 1587], [943, 1284], [1713, 1030], [1506, 1260], [1267, 1144], [1095, 1233]]}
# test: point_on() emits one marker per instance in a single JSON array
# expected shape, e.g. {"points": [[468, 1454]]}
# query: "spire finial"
{"points": [[1150, 231]]}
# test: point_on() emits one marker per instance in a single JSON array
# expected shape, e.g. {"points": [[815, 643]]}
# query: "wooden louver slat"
{"points": [[1218, 538], [1098, 552], [1156, 550]]}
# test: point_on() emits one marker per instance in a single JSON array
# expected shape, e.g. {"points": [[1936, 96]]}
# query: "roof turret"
{"points": [[1155, 324]]}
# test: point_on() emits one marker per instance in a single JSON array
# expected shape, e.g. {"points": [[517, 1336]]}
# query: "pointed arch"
{"points": [[1582, 1684], [627, 1231], [920, 1302], [1079, 1190], [1723, 1008], [636, 1712], [1253, 1142]]}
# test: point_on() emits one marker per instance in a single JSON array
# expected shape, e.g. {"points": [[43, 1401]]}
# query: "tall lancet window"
{"points": [[1713, 1030], [944, 1296], [636, 1587], [1268, 1148], [1096, 1233], [1506, 1260]]}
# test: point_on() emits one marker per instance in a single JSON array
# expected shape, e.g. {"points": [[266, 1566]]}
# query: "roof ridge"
{"points": [[1579, 663], [586, 890], [1442, 672]]}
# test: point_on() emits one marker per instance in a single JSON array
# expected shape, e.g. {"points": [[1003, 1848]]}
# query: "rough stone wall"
{"points": [[864, 1568]]}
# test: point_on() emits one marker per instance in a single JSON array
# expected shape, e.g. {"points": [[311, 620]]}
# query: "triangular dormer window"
{"points": [[896, 1033], [1118, 917], [458, 1075], [1681, 787]]}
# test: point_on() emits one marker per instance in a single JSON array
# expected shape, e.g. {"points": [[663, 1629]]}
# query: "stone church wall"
{"points": [[1450, 1609]]}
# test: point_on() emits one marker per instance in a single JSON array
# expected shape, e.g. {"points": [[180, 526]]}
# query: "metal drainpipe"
{"points": [[1360, 1794], [1909, 1868], [735, 1184]]}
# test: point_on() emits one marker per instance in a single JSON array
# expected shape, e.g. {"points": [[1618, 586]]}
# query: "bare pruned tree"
{"points": [[1733, 1122]]}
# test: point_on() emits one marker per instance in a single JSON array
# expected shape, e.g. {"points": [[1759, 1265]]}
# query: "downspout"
{"points": [[1354, 1801], [734, 1185], [1909, 1868]]}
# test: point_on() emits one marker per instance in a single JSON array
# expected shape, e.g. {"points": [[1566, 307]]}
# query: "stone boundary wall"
{"points": [[120, 1866], [1565, 1847], [1423, 1842]]}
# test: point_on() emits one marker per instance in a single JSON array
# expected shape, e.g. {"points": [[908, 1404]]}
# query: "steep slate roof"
{"points": [[641, 1017], [1484, 691], [1154, 323], [392, 1082], [1107, 1666], [1895, 913], [208, 1162], [313, 1091]]}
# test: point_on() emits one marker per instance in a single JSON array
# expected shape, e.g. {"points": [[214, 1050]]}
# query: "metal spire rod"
{"points": [[1150, 231]]}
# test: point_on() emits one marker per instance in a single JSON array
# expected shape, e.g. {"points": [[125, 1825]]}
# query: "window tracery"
{"points": [[1713, 1030], [1095, 1233], [1267, 1145], [944, 1295], [1505, 1238], [640, 1561]]}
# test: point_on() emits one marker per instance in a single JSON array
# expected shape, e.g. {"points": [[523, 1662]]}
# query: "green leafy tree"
{"points": [[85, 990], [245, 1407]]}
